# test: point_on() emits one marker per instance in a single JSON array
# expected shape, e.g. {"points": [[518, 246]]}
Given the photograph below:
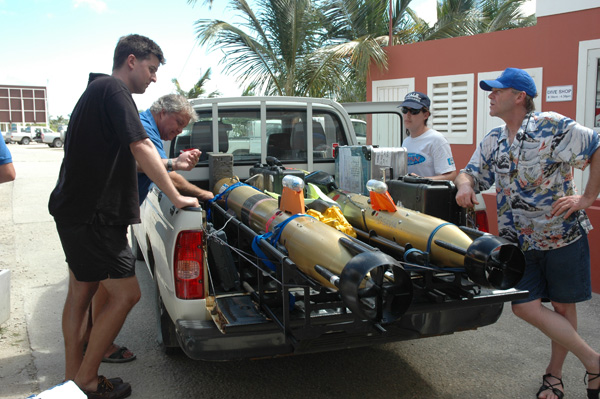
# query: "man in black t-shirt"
{"points": [[95, 200]]}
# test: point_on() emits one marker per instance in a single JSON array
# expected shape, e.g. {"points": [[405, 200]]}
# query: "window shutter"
{"points": [[452, 107]]}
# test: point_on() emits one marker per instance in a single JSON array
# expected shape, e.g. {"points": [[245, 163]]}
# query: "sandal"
{"points": [[118, 356], [591, 393], [107, 390], [546, 385]]}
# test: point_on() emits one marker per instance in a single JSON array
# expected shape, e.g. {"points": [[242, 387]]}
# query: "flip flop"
{"points": [[119, 357]]}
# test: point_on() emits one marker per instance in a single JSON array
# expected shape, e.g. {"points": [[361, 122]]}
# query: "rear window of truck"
{"points": [[240, 135]]}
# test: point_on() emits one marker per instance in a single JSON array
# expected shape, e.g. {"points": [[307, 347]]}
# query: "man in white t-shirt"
{"points": [[429, 153]]}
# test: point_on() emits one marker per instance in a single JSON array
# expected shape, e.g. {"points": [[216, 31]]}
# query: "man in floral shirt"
{"points": [[531, 160]]}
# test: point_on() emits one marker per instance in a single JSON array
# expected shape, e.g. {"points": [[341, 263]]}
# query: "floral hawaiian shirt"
{"points": [[531, 174]]}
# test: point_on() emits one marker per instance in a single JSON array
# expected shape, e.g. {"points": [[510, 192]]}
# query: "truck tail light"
{"points": [[188, 265], [481, 221]]}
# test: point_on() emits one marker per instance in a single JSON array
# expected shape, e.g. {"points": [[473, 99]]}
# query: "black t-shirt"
{"points": [[98, 179]]}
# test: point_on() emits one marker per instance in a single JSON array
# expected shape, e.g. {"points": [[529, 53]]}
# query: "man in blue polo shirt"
{"points": [[164, 120], [7, 170]]}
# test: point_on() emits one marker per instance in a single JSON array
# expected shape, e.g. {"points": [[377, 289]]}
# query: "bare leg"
{"points": [[98, 303], [559, 352], [74, 322], [562, 332], [123, 294]]}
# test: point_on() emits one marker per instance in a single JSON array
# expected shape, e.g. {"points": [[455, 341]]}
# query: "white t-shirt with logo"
{"points": [[429, 154]]}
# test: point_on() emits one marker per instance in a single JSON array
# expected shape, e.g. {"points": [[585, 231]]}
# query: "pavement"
{"points": [[503, 360]]}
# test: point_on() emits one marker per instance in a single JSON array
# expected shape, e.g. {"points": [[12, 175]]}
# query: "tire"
{"points": [[25, 140], [166, 334], [57, 143], [135, 247]]}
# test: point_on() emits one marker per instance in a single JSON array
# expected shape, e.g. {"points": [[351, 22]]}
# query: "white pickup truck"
{"points": [[215, 298]]}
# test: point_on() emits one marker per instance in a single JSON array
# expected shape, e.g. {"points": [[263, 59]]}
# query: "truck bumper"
{"points": [[202, 340]]}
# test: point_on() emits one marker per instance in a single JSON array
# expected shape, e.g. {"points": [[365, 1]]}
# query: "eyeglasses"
{"points": [[411, 110]]}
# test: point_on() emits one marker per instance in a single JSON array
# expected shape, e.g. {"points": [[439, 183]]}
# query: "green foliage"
{"points": [[326, 48], [198, 90], [278, 48], [55, 123], [471, 17]]}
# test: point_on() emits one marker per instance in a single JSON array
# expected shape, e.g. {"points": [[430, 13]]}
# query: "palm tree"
{"points": [[276, 48], [198, 90], [503, 14], [471, 17], [358, 31], [324, 48]]}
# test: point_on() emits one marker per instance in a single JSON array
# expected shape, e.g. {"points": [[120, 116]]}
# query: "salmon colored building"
{"points": [[561, 52]]}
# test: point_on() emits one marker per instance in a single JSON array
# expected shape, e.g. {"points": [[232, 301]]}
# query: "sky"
{"points": [[57, 43]]}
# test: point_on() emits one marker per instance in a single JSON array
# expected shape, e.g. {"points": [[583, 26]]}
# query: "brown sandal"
{"points": [[108, 390]]}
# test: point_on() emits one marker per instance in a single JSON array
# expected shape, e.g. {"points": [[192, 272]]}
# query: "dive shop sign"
{"points": [[559, 93]]}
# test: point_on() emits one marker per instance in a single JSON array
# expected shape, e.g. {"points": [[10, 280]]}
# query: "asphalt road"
{"points": [[504, 360]]}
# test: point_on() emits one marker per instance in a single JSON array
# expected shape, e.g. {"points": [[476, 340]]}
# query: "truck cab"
{"points": [[254, 128]]}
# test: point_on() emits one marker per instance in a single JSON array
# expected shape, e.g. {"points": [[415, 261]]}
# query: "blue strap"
{"points": [[279, 228], [406, 253], [430, 240], [220, 195], [428, 251], [259, 251], [272, 237]]}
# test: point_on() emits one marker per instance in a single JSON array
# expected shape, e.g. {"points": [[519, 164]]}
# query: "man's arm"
{"points": [[7, 172], [465, 196], [185, 161], [148, 159], [186, 188], [574, 203]]}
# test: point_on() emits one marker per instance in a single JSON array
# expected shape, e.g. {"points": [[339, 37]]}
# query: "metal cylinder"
{"points": [[405, 226], [310, 242], [489, 260]]}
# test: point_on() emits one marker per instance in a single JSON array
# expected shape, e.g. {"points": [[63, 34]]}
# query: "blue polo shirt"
{"points": [[149, 124], [5, 156]]}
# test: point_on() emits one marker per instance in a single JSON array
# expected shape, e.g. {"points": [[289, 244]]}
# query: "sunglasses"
{"points": [[411, 110]]}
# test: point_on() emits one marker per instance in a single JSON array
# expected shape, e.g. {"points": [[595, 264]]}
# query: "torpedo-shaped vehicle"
{"points": [[488, 260], [372, 284]]}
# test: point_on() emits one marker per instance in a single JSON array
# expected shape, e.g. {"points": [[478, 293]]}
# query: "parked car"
{"points": [[29, 134], [6, 136], [62, 129], [21, 136], [360, 128], [53, 139]]}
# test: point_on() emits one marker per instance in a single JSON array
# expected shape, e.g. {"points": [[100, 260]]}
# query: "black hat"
{"points": [[416, 100]]}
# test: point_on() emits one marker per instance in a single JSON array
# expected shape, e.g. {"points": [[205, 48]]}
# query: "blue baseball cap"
{"points": [[416, 100], [514, 78]]}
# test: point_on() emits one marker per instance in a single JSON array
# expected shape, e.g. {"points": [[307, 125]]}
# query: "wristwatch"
{"points": [[169, 165]]}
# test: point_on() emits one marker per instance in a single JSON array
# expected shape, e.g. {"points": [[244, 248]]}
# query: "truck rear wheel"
{"points": [[25, 140], [135, 247], [57, 143]]}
